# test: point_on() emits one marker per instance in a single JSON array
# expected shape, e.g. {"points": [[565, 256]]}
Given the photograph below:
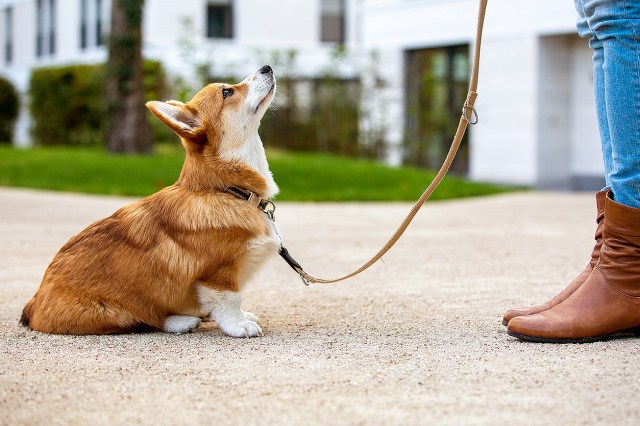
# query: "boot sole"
{"points": [[618, 334]]}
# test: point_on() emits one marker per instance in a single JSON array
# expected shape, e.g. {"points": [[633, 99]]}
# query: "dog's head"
{"points": [[221, 118]]}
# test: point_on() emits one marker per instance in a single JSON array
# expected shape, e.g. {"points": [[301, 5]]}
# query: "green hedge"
{"points": [[67, 104], [9, 107]]}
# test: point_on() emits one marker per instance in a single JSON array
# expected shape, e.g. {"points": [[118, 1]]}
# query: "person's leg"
{"points": [[599, 86], [615, 28], [608, 302], [585, 31]]}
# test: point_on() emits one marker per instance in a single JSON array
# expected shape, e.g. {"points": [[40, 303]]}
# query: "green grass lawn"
{"points": [[301, 177]]}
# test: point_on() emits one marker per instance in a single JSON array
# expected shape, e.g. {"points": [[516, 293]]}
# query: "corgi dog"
{"points": [[186, 252]]}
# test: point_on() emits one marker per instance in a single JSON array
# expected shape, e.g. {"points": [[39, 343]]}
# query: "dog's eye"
{"points": [[226, 93]]}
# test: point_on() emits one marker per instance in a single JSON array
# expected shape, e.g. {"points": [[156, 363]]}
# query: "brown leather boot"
{"points": [[607, 304], [577, 282]]}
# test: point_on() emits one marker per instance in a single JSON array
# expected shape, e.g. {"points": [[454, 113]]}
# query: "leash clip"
{"points": [[304, 280], [294, 265]]}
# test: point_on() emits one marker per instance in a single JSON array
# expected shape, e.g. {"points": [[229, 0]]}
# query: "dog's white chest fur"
{"points": [[260, 250]]}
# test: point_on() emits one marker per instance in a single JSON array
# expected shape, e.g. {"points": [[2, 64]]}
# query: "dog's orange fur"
{"points": [[132, 270]]}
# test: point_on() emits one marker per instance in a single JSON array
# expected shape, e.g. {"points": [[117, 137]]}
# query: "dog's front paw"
{"points": [[243, 328], [251, 317]]}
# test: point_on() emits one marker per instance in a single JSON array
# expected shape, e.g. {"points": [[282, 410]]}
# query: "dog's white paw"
{"points": [[180, 324], [225, 310], [243, 328], [251, 317]]}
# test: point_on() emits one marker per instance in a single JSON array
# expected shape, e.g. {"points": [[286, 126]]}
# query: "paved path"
{"points": [[416, 340]]}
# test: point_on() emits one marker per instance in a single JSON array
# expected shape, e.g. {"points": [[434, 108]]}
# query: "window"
{"points": [[436, 83], [45, 27], [220, 19], [332, 21], [84, 24], [91, 23], [39, 28], [99, 36], [8, 35], [52, 27]]}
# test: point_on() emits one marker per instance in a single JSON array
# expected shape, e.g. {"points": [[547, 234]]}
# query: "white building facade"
{"points": [[537, 113], [537, 116]]}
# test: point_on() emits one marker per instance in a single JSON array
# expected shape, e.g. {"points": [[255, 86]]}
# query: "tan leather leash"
{"points": [[469, 116]]}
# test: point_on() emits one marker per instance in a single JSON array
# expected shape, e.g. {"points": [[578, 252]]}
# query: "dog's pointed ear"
{"points": [[184, 121]]}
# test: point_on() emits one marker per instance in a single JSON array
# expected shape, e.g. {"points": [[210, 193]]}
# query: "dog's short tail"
{"points": [[25, 319]]}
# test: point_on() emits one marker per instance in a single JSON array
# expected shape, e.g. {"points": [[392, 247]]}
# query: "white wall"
{"points": [[586, 152], [291, 23], [417, 23], [503, 144], [569, 153], [67, 30], [162, 20], [554, 91]]}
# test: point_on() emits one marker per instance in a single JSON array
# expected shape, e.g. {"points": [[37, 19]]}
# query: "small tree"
{"points": [[127, 129], [9, 107]]}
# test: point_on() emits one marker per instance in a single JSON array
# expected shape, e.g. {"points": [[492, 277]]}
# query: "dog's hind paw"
{"points": [[180, 324]]}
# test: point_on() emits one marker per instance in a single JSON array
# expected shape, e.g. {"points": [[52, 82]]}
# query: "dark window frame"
{"points": [[39, 28], [45, 28], [434, 94], [224, 12], [84, 24], [8, 35], [328, 31], [99, 35], [52, 27]]}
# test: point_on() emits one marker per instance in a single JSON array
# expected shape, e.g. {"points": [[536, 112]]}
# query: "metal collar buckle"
{"points": [[267, 206]]}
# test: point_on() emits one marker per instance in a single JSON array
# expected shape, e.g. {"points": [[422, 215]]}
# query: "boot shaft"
{"points": [[600, 203], [620, 253]]}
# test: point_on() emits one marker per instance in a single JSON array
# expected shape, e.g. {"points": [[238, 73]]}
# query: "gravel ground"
{"points": [[415, 340]]}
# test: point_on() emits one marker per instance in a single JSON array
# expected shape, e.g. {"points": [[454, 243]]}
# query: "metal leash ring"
{"points": [[474, 115]]}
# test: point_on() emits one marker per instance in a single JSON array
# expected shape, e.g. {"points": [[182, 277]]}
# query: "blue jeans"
{"points": [[613, 29]]}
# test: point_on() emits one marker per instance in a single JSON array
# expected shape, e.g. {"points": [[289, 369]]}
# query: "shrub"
{"points": [[9, 107], [68, 106]]}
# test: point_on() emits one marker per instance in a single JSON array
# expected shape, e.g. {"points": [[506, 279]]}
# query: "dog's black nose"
{"points": [[266, 69]]}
